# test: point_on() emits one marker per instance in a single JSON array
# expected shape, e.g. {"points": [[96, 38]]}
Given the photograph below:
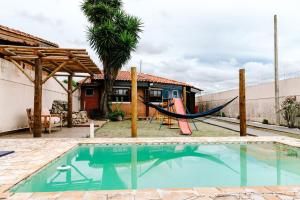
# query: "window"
{"points": [[175, 94], [89, 92], [120, 95], [155, 95]]}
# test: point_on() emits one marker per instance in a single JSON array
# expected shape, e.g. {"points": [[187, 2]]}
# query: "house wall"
{"points": [[168, 89], [126, 106], [259, 99], [17, 94], [90, 103]]}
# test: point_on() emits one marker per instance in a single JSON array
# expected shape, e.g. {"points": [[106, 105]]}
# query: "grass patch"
{"points": [[145, 129]]}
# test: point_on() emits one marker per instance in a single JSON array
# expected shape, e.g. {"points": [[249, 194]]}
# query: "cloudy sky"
{"points": [[197, 41]]}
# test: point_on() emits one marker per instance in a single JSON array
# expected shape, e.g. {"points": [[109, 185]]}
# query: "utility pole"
{"points": [[277, 113]]}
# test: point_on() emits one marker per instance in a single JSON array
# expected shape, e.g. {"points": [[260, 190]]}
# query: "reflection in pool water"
{"points": [[96, 167]]}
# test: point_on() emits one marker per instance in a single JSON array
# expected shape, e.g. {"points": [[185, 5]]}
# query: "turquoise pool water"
{"points": [[115, 167]]}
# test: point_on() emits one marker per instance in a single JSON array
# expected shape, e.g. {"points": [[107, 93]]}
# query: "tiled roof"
{"points": [[13, 32], [142, 77]]}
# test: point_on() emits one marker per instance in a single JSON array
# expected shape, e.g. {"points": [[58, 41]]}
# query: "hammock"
{"points": [[189, 116]]}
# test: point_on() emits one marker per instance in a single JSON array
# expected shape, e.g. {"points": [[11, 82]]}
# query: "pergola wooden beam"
{"points": [[8, 52], [22, 70], [54, 71], [75, 75], [30, 57], [83, 66], [56, 65], [29, 48], [62, 85], [80, 84]]}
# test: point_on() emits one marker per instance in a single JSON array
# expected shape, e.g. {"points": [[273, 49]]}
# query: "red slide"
{"points": [[182, 123]]}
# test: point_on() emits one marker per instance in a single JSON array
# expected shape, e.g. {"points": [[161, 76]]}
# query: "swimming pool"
{"points": [[119, 167]]}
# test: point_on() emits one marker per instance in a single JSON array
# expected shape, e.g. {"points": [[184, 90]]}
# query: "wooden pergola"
{"points": [[53, 62]]}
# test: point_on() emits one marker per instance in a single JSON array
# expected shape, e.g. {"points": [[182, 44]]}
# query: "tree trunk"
{"points": [[110, 75]]}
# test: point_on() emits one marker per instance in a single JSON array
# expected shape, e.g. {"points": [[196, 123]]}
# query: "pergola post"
{"points": [[70, 100], [37, 125]]}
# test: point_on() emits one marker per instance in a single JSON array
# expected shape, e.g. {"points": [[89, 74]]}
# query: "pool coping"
{"points": [[160, 193]]}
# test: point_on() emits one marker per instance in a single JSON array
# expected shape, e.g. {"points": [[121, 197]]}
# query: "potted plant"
{"points": [[265, 121], [117, 114]]}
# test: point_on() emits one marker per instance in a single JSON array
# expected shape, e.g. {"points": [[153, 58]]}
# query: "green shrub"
{"points": [[113, 116], [223, 114], [292, 153], [265, 121], [289, 110]]}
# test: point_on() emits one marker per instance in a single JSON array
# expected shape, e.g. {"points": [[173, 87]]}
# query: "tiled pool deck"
{"points": [[32, 154]]}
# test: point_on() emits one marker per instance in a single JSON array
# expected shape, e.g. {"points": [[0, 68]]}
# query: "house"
{"points": [[155, 89]]}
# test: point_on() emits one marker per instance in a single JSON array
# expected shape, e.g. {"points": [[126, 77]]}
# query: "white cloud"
{"points": [[200, 42]]}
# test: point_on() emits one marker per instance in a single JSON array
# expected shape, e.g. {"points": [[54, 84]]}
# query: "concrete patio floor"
{"points": [[81, 131]]}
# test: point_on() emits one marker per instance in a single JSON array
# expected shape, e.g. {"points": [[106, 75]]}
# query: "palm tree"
{"points": [[113, 34]]}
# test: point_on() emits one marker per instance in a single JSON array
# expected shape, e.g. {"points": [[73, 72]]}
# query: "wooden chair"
{"points": [[30, 119], [49, 121]]}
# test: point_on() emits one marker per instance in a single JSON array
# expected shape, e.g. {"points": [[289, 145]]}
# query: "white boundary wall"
{"points": [[259, 99], [17, 94]]}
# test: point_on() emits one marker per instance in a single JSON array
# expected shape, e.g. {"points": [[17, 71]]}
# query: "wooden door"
{"points": [[90, 99]]}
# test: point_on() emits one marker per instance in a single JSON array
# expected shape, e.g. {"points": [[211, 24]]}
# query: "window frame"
{"points": [[89, 95], [121, 96], [158, 98], [177, 95]]}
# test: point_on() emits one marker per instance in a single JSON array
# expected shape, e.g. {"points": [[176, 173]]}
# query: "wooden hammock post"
{"points": [[133, 102], [184, 96], [242, 103], [37, 116], [169, 118]]}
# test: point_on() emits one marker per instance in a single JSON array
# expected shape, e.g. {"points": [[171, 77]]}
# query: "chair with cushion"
{"points": [[49, 121]]}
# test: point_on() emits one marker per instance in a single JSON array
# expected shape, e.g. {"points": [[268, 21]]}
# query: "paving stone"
{"points": [[4, 195], [120, 196], [270, 197], [147, 195], [227, 197], [232, 189], [20, 196], [285, 197], [256, 197], [208, 191], [45, 196], [177, 194], [94, 195], [74, 195], [257, 189]]}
